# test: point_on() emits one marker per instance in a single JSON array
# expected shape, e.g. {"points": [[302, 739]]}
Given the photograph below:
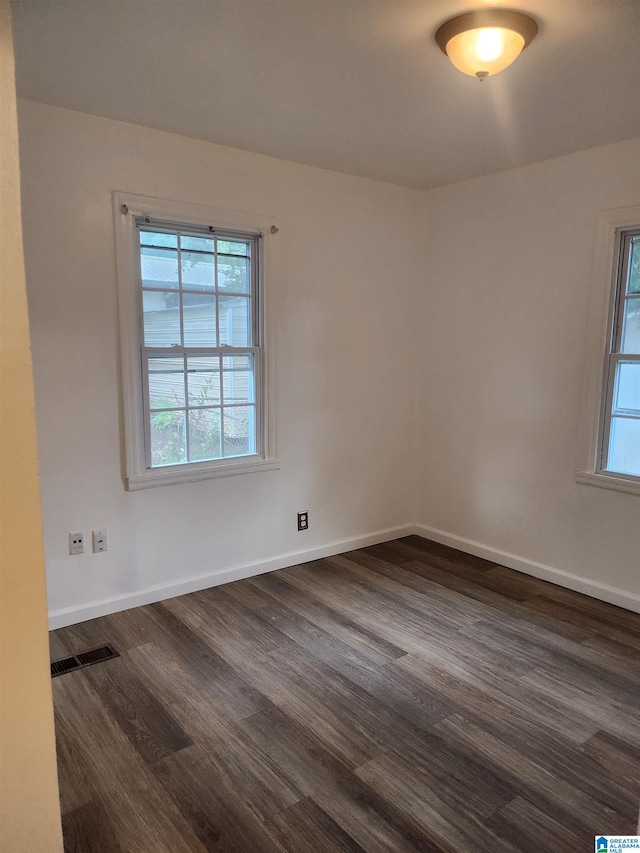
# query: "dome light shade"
{"points": [[485, 41]]}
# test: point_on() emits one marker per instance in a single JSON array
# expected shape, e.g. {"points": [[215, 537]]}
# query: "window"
{"points": [[191, 295], [620, 435], [611, 450]]}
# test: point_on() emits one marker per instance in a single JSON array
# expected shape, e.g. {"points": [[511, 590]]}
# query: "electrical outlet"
{"points": [[100, 540], [76, 543], [303, 520]]}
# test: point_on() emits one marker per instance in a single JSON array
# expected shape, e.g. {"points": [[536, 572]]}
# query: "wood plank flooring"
{"points": [[404, 697]]}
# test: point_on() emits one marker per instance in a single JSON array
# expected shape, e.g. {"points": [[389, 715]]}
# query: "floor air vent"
{"points": [[82, 659]]}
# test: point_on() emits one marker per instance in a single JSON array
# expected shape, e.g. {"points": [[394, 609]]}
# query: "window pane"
{"points": [[161, 318], [234, 247], [198, 271], [624, 446], [631, 326], [157, 238], [235, 328], [239, 430], [201, 244], [199, 320], [627, 389], [238, 379], [159, 267], [166, 382], [168, 445], [633, 282], [203, 378], [234, 274], [204, 434]]}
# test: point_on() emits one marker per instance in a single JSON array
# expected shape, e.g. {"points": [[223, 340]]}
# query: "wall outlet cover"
{"points": [[76, 543], [100, 540]]}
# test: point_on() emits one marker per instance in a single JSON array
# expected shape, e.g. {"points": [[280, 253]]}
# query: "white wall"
{"points": [[29, 807], [507, 283], [348, 258], [476, 294]]}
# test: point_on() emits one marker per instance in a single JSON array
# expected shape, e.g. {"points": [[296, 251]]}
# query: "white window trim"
{"points": [[135, 471], [603, 295]]}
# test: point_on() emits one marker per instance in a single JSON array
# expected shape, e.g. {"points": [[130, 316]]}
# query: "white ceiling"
{"points": [[357, 86]]}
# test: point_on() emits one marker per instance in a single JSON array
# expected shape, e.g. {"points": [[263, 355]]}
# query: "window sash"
{"points": [[614, 355], [253, 347], [185, 353]]}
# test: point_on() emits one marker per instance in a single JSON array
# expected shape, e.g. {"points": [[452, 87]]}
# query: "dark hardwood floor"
{"points": [[403, 697]]}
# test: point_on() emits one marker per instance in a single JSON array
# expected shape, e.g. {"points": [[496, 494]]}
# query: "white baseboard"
{"points": [[601, 591], [81, 612]]}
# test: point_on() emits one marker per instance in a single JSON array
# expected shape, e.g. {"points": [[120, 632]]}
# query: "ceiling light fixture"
{"points": [[485, 41]]}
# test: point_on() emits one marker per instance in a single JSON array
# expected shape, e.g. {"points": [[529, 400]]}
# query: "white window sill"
{"points": [[607, 481], [171, 475]]}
